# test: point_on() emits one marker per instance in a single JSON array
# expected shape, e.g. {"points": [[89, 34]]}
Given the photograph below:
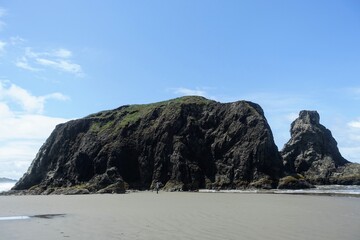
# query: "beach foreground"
{"points": [[147, 215]]}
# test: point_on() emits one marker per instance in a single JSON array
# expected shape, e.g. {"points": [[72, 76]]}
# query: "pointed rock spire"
{"points": [[311, 150]]}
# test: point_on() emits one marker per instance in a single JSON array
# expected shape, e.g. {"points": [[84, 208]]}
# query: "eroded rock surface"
{"points": [[312, 152], [186, 144]]}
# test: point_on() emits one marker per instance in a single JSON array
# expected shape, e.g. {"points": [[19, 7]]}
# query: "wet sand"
{"points": [[147, 215]]}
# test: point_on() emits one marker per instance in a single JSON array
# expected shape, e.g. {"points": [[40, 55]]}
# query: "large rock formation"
{"points": [[312, 152], [185, 143]]}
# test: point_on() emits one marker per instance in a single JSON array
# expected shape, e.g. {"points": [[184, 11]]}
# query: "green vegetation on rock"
{"points": [[119, 118]]}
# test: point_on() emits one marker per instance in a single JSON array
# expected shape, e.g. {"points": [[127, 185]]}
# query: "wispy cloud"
{"points": [[24, 64], [189, 92], [57, 59], [62, 53], [61, 65]]}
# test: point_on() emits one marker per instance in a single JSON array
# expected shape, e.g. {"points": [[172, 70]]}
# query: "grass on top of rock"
{"points": [[129, 114]]}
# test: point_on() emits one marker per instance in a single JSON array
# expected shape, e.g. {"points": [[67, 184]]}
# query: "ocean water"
{"points": [[342, 190], [6, 186], [320, 189], [327, 189]]}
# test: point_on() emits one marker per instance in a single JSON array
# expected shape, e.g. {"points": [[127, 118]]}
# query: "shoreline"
{"points": [[268, 192], [319, 190]]}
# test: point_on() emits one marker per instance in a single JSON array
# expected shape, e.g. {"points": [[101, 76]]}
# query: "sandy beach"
{"points": [[147, 215]]}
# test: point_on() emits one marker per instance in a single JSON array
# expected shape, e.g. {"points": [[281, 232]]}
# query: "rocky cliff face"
{"points": [[312, 152], [185, 143]]}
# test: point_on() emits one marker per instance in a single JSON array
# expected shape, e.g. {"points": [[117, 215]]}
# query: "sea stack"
{"points": [[312, 152], [185, 143]]}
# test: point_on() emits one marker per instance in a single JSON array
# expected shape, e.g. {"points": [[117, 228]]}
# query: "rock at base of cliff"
{"points": [[295, 181], [348, 174], [118, 187]]}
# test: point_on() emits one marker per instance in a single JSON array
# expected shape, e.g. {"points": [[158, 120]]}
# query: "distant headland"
{"points": [[6, 180]]}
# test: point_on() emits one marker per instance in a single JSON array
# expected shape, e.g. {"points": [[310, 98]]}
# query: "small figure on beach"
{"points": [[157, 187]]}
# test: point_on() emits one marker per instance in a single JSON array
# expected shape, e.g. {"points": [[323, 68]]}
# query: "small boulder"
{"points": [[296, 181]]}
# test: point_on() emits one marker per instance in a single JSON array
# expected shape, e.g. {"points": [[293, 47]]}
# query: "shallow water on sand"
{"points": [[328, 189], [342, 190]]}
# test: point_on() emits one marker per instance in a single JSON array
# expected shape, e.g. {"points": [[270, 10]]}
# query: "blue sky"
{"points": [[61, 60]]}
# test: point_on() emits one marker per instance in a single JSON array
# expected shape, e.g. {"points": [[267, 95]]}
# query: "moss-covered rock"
{"points": [[295, 181], [264, 183]]}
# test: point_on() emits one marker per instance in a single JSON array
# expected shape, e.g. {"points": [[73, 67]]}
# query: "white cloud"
{"points": [[354, 124], [190, 92], [24, 64], [23, 98], [353, 133], [57, 59], [27, 126], [28, 102], [21, 137], [348, 137], [16, 156], [56, 96], [61, 65], [22, 132], [62, 53], [5, 111]]}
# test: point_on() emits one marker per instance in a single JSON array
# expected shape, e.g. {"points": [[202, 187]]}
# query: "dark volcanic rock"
{"points": [[186, 143], [349, 174], [312, 151]]}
